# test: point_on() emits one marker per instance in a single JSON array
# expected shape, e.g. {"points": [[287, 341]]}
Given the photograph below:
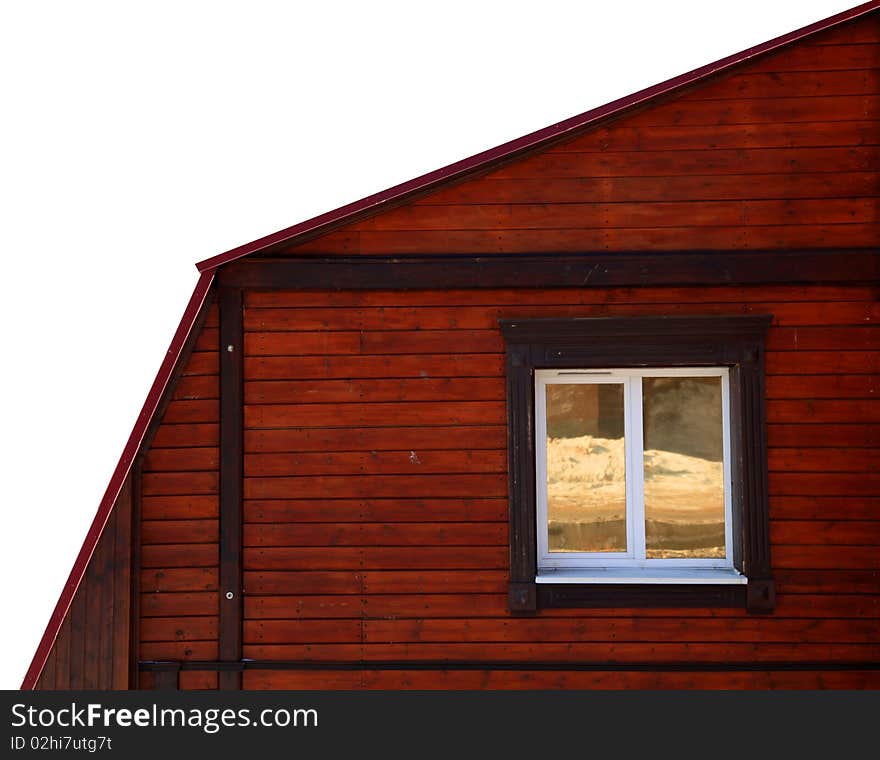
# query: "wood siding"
{"points": [[375, 471], [179, 517], [376, 492], [779, 153], [91, 650]]}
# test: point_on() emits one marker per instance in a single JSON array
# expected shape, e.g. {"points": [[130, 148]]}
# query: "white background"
{"points": [[138, 138]]}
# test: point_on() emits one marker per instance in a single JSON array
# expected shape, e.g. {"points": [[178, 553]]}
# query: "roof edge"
{"points": [[117, 480], [530, 141]]}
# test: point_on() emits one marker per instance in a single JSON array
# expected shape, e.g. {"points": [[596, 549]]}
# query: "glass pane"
{"points": [[586, 468], [684, 475]]}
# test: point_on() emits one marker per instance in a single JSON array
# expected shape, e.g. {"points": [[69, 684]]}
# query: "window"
{"points": [[637, 462]]}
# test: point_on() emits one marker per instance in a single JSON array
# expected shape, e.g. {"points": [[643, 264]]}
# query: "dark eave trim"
{"points": [[579, 270]]}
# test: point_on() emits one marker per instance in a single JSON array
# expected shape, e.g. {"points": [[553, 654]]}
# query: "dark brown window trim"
{"points": [[733, 341]]}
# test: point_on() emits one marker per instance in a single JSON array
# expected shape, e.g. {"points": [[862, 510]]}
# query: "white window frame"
{"points": [[632, 565]]}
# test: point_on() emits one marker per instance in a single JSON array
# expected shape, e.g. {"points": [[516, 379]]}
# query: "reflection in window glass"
{"points": [[684, 472], [586, 468]]}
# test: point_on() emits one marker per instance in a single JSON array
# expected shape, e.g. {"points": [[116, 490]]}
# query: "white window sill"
{"points": [[709, 575]]}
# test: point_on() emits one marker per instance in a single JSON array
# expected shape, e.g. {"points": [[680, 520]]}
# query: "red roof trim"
{"points": [[116, 481], [488, 158]]}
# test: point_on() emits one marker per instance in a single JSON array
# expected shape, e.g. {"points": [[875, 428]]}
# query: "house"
{"points": [[594, 409]]}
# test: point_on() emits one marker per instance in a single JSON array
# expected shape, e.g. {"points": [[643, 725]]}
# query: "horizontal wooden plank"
{"points": [[179, 531], [858, 30], [822, 362], [375, 558], [371, 534], [779, 237], [302, 582], [202, 363], [181, 459], [289, 679], [731, 187], [376, 510], [187, 434], [776, 84], [179, 483], [824, 410], [825, 508], [426, 413], [826, 532], [619, 137], [370, 391], [351, 367], [671, 162], [824, 460], [759, 111], [179, 579], [165, 604], [625, 652], [192, 411], [819, 57], [372, 343], [195, 387], [303, 439], [303, 607], [208, 339], [176, 650], [472, 606], [820, 436], [562, 679], [810, 313], [824, 484], [823, 338], [827, 557], [627, 215], [179, 555], [376, 462], [376, 486], [179, 507], [197, 680], [178, 628], [280, 298], [827, 581], [301, 631], [434, 581], [609, 629], [822, 386], [212, 316]]}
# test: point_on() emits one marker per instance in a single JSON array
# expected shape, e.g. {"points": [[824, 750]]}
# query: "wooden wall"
{"points": [[779, 153], [179, 518], [376, 493], [91, 650]]}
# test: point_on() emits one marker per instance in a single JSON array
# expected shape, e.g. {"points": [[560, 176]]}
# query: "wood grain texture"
{"points": [[91, 650], [374, 443], [779, 150]]}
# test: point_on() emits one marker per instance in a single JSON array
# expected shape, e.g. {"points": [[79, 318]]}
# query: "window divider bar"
{"points": [[636, 454]]}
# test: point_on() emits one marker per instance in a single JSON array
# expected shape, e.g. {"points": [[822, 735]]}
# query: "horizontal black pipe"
{"points": [[164, 665]]}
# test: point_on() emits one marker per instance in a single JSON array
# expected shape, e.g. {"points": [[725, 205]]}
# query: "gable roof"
{"points": [[534, 141], [348, 213]]}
